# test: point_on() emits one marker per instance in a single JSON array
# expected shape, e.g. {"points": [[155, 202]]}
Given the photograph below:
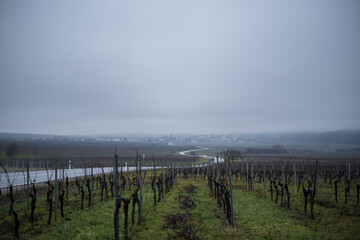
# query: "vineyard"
{"points": [[181, 197]]}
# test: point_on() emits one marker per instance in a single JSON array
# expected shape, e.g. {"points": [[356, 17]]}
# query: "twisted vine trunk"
{"points": [[357, 194], [305, 198], [336, 190], [102, 191], [49, 200], [111, 187], [11, 196], [288, 195], [222, 199], [123, 183], [12, 211], [135, 202], [116, 218], [67, 187], [33, 204], [159, 189], [61, 199], [77, 184], [218, 193], [154, 189], [312, 201], [300, 181], [282, 194], [210, 184], [82, 196], [346, 194], [271, 188], [126, 213], [347, 189], [228, 207], [17, 222], [89, 191]]}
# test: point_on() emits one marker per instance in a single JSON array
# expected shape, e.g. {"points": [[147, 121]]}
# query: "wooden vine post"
{"points": [[27, 184], [162, 179], [357, 184], [317, 177], [231, 195], [295, 174], [92, 181], [349, 179], [208, 170], [264, 178], [63, 174], [140, 183], [154, 183], [312, 195], [154, 170], [56, 187], [154, 174], [117, 197], [213, 174], [174, 171], [127, 176], [247, 176], [168, 176], [283, 183], [217, 168], [252, 174]]}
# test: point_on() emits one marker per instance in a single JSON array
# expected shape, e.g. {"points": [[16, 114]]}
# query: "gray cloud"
{"points": [[189, 66]]}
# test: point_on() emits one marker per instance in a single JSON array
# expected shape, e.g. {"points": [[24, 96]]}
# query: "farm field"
{"points": [[190, 210], [53, 148], [189, 120]]}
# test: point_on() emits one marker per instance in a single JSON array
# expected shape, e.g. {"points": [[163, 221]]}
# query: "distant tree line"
{"points": [[348, 150], [276, 149], [11, 150]]}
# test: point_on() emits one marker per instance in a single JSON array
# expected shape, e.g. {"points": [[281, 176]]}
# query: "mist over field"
{"points": [[90, 67], [191, 119]]}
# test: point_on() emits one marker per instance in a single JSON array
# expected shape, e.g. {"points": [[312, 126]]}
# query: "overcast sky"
{"points": [[100, 67]]}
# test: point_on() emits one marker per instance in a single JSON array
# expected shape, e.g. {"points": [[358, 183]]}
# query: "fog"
{"points": [[111, 67]]}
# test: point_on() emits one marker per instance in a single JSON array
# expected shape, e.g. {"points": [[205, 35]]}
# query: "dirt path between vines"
{"points": [[180, 222]]}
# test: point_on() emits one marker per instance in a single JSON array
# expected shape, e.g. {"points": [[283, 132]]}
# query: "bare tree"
{"points": [[11, 150]]}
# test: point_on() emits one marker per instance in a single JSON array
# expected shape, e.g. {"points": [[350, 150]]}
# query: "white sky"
{"points": [[97, 67]]}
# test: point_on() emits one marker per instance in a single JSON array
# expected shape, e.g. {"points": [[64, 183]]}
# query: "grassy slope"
{"points": [[255, 216]]}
